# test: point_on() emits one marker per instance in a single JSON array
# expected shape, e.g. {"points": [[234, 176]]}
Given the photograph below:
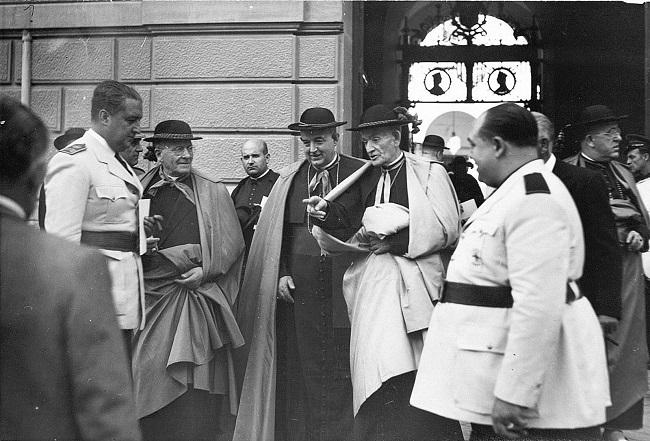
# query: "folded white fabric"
{"points": [[385, 219]]}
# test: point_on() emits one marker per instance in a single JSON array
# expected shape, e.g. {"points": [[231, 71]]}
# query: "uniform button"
{"points": [[489, 348]]}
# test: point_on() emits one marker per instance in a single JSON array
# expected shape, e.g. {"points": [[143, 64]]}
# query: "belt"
{"points": [[111, 240], [489, 296]]}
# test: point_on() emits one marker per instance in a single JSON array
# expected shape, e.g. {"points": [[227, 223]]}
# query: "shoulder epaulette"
{"points": [[73, 149], [535, 183]]}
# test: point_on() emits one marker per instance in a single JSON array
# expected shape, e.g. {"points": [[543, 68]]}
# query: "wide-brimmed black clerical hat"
{"points": [[434, 141], [316, 118], [597, 114], [381, 115], [172, 129], [72, 134]]}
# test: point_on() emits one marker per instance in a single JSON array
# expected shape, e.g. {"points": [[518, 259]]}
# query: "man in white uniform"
{"points": [[638, 160], [92, 195], [512, 344]]}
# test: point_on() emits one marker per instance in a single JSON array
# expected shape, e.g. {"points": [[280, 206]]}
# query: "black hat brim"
{"points": [[376, 124], [637, 139], [63, 140], [434, 146], [582, 124], [302, 127], [171, 137]]}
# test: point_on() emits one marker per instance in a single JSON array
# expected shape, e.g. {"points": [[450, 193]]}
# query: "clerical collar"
{"points": [[330, 165], [164, 176], [261, 176], [395, 163], [593, 160]]}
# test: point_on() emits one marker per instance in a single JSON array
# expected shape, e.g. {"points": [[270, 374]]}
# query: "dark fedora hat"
{"points": [[434, 141], [596, 115], [316, 118], [637, 141], [172, 129], [72, 134], [460, 160], [381, 115]]}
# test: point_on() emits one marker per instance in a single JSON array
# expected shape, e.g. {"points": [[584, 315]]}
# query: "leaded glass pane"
{"points": [[490, 31], [437, 82], [502, 81]]}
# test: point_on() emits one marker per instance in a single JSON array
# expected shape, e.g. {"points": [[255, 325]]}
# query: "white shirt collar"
{"points": [[102, 142], [399, 158], [336, 157], [266, 173], [550, 163], [13, 207], [592, 160]]}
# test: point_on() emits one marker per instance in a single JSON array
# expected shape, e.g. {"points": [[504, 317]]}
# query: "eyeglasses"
{"points": [[180, 149], [611, 133]]}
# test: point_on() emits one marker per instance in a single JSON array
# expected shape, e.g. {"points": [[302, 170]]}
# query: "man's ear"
{"points": [[500, 146], [104, 117], [398, 136]]}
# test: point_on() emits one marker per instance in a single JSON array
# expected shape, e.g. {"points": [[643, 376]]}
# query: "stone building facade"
{"points": [[232, 69], [241, 69]]}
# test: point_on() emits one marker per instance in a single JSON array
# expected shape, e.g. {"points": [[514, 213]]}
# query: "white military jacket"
{"points": [[644, 191], [542, 353], [87, 189]]}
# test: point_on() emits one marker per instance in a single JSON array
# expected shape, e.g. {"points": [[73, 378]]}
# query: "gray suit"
{"points": [[62, 359]]}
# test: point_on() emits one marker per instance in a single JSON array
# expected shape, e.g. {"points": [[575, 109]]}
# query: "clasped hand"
{"points": [[377, 245], [191, 279], [510, 420], [285, 286], [151, 224], [634, 241]]}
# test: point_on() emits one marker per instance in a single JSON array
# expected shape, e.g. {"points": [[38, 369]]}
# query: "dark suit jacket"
{"points": [[601, 276], [64, 371]]}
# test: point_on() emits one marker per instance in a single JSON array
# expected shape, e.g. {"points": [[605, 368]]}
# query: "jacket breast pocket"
{"points": [[113, 202], [480, 238], [479, 356]]}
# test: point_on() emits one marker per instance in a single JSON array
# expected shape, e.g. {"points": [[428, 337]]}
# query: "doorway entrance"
{"points": [[457, 65]]}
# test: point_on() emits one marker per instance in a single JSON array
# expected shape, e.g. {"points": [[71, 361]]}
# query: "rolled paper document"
{"points": [[347, 183]]}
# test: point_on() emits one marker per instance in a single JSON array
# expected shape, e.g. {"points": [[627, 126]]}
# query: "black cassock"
{"points": [[314, 390]]}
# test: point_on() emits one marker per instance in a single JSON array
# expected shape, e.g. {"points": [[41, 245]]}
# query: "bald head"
{"points": [[259, 144], [255, 157], [545, 135]]}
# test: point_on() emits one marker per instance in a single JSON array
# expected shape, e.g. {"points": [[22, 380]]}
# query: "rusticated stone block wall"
{"points": [[232, 70]]}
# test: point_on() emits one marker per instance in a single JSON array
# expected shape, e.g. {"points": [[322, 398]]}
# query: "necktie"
{"points": [[323, 178], [382, 194], [121, 161], [180, 186], [383, 188]]}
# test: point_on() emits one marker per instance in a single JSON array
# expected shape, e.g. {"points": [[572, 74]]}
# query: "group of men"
{"points": [[516, 342], [347, 323]]}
